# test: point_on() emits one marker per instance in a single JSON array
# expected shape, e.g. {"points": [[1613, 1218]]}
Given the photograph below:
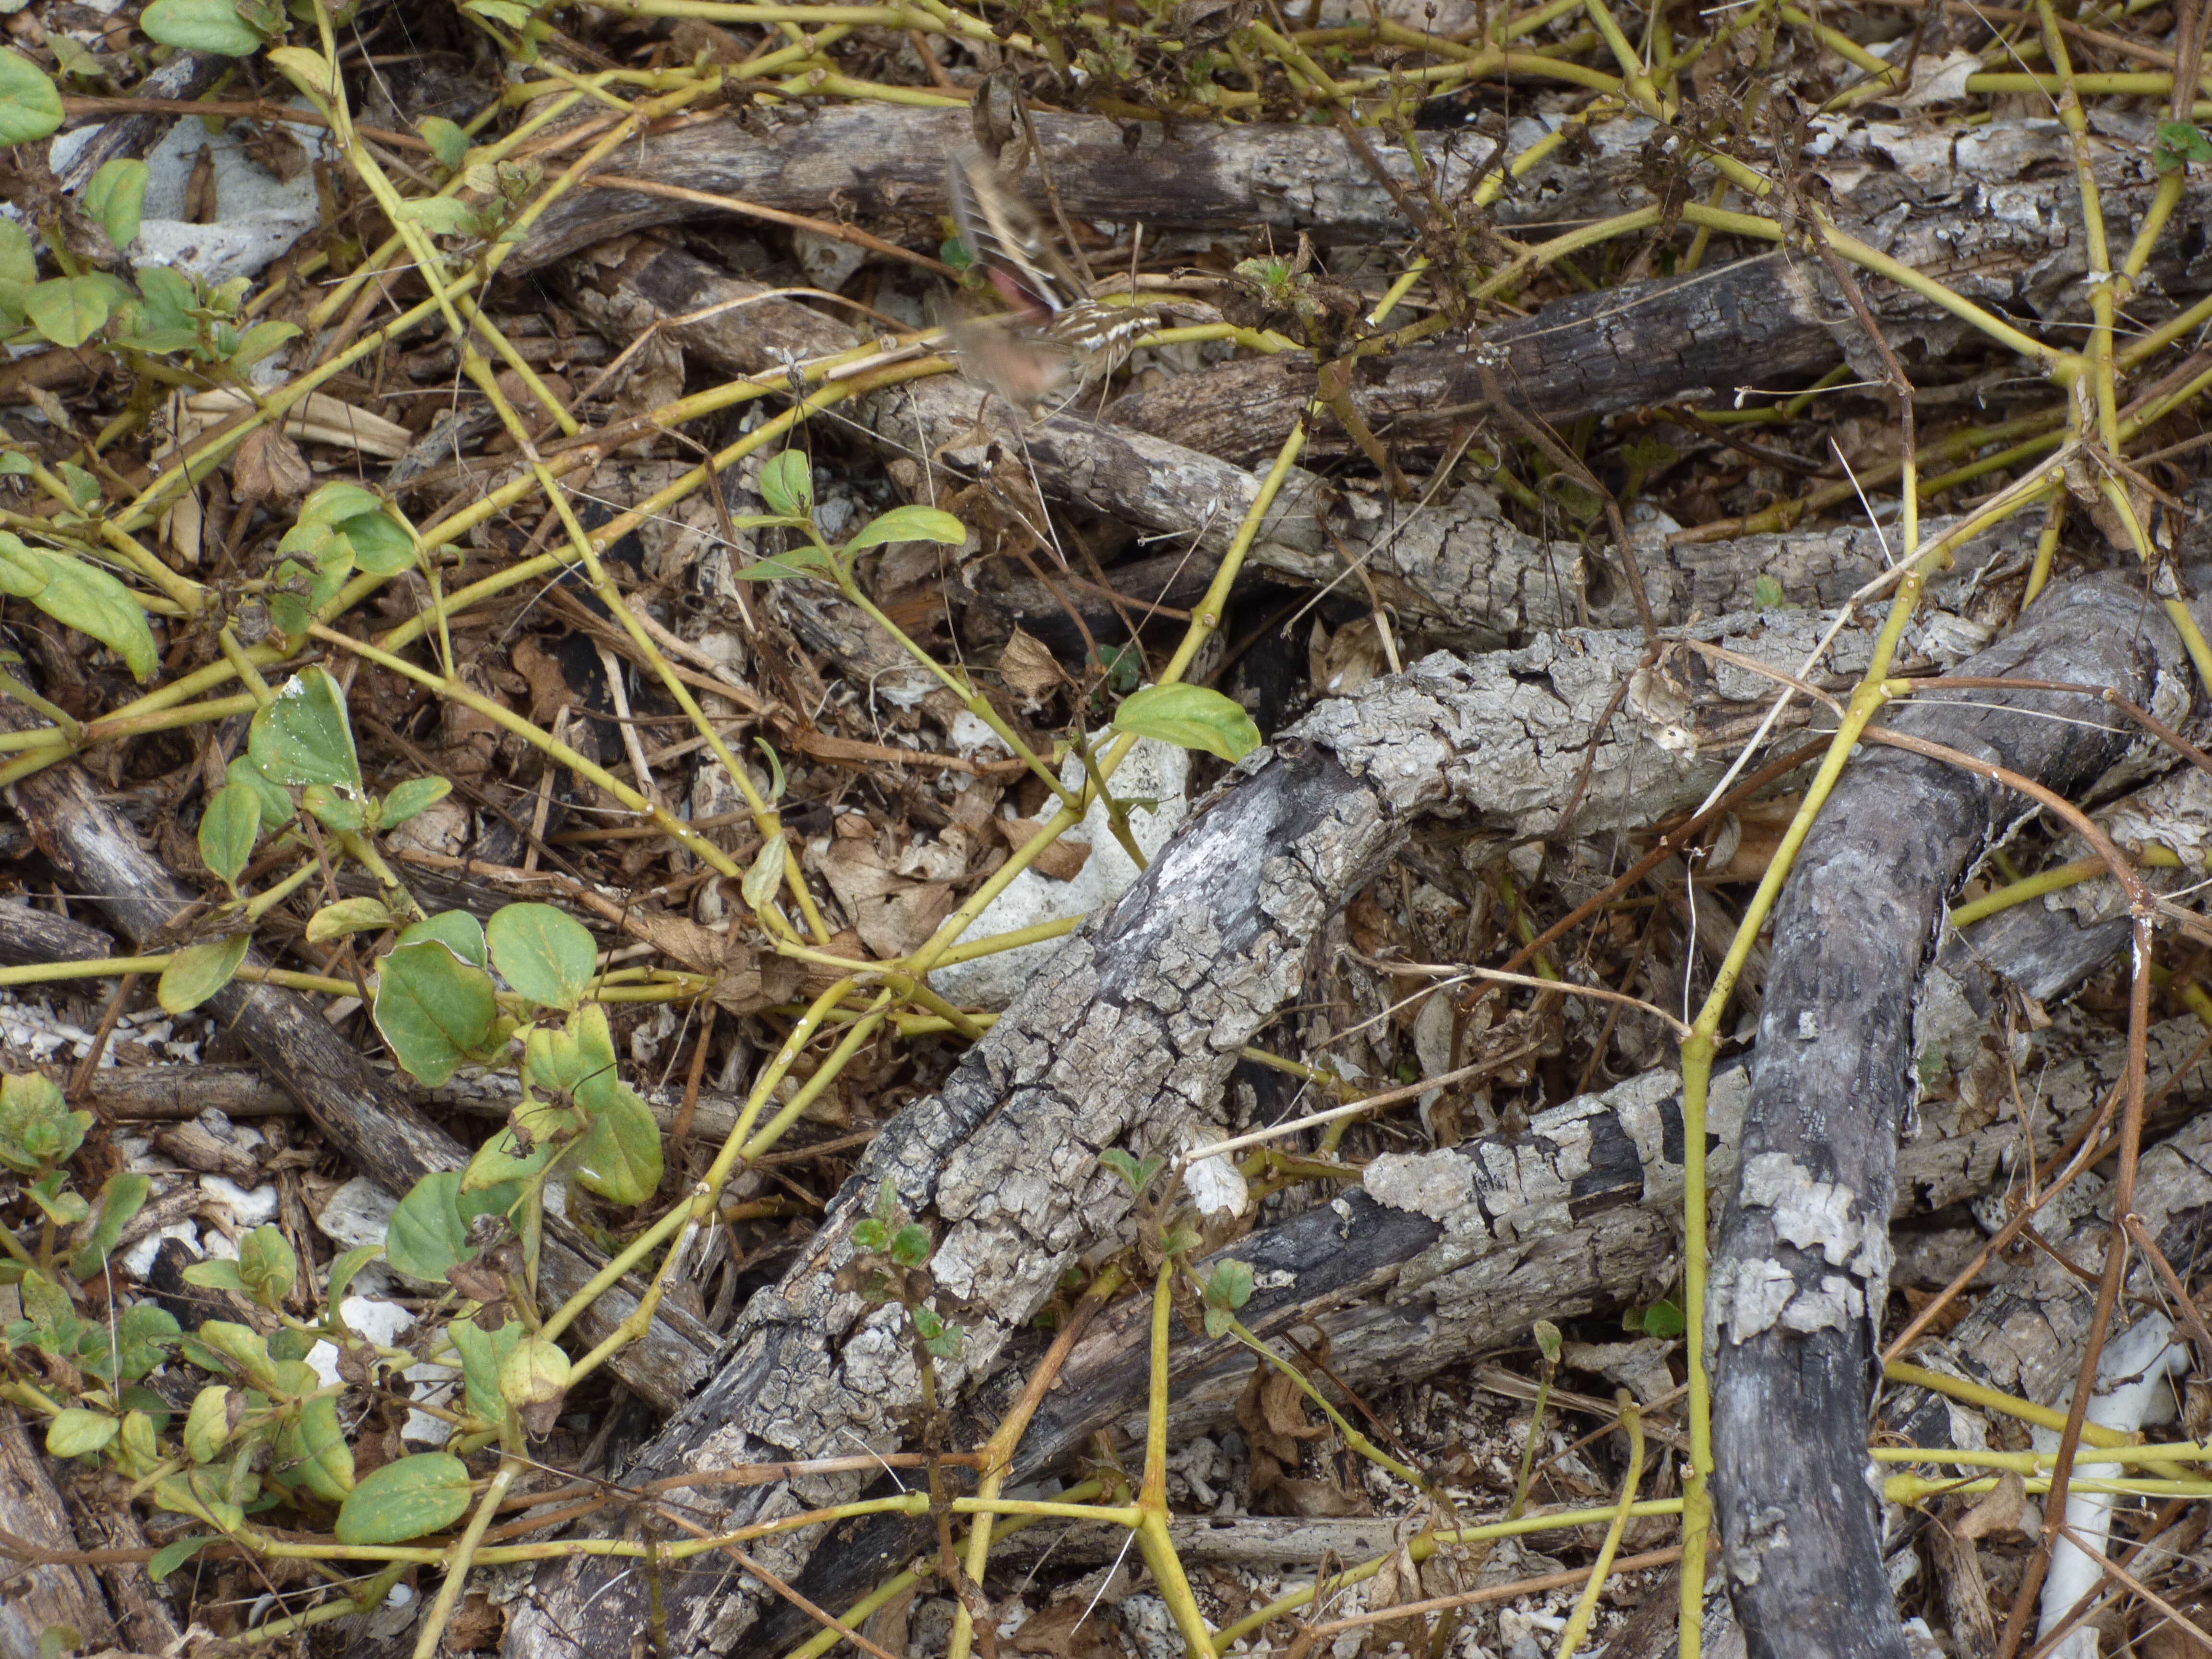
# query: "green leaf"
{"points": [[797, 561], [408, 799], [619, 1155], [276, 808], [30, 108], [228, 830], [62, 1207], [79, 596], [83, 488], [260, 341], [1229, 1289], [1766, 591], [123, 1197], [14, 463], [198, 971], [417, 1495], [544, 953], [268, 1266], [511, 13], [909, 523], [200, 26], [1189, 717], [19, 269], [311, 1452], [207, 1425], [37, 1129], [2176, 144], [309, 71], [331, 809], [353, 915], [1138, 1175], [482, 1353], [442, 215], [167, 297], [302, 735], [144, 1335], [344, 1269], [429, 1229], [787, 484], [75, 1431], [117, 197], [434, 1009], [170, 1557], [457, 930], [1664, 1319], [1548, 1341], [382, 546], [446, 142], [333, 503], [67, 310]]}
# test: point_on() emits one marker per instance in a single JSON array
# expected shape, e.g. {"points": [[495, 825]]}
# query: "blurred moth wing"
{"points": [[1052, 329]]}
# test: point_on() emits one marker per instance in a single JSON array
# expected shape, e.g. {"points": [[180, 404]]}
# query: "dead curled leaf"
{"points": [[1061, 861], [893, 914]]}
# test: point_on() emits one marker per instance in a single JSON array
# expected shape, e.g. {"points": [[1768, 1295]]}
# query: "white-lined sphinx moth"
{"points": [[1055, 325]]}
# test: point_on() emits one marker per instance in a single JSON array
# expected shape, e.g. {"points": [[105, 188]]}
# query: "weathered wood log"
{"points": [[1455, 567], [1437, 1259], [1800, 1269], [34, 1599], [367, 1116], [1992, 211], [1192, 956]]}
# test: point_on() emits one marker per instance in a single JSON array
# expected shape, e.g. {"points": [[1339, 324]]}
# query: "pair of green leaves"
{"points": [[575, 1110], [266, 1269], [1188, 716], [341, 528], [435, 1004]]}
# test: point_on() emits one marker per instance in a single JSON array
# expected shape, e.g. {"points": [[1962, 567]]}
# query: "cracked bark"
{"points": [[1801, 1268], [1455, 567], [1992, 211], [1129, 1036], [1439, 1258]]}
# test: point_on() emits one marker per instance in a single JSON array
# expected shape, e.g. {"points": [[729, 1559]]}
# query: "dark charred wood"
{"points": [[1800, 1270]]}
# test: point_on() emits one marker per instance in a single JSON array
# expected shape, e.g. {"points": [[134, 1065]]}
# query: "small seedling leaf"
{"points": [[910, 524], [787, 484], [1189, 717]]}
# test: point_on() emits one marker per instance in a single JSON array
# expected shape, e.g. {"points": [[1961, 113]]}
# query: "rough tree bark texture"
{"points": [[1801, 1268], [1438, 1258], [1991, 211], [1455, 567], [1128, 1035], [367, 1116]]}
